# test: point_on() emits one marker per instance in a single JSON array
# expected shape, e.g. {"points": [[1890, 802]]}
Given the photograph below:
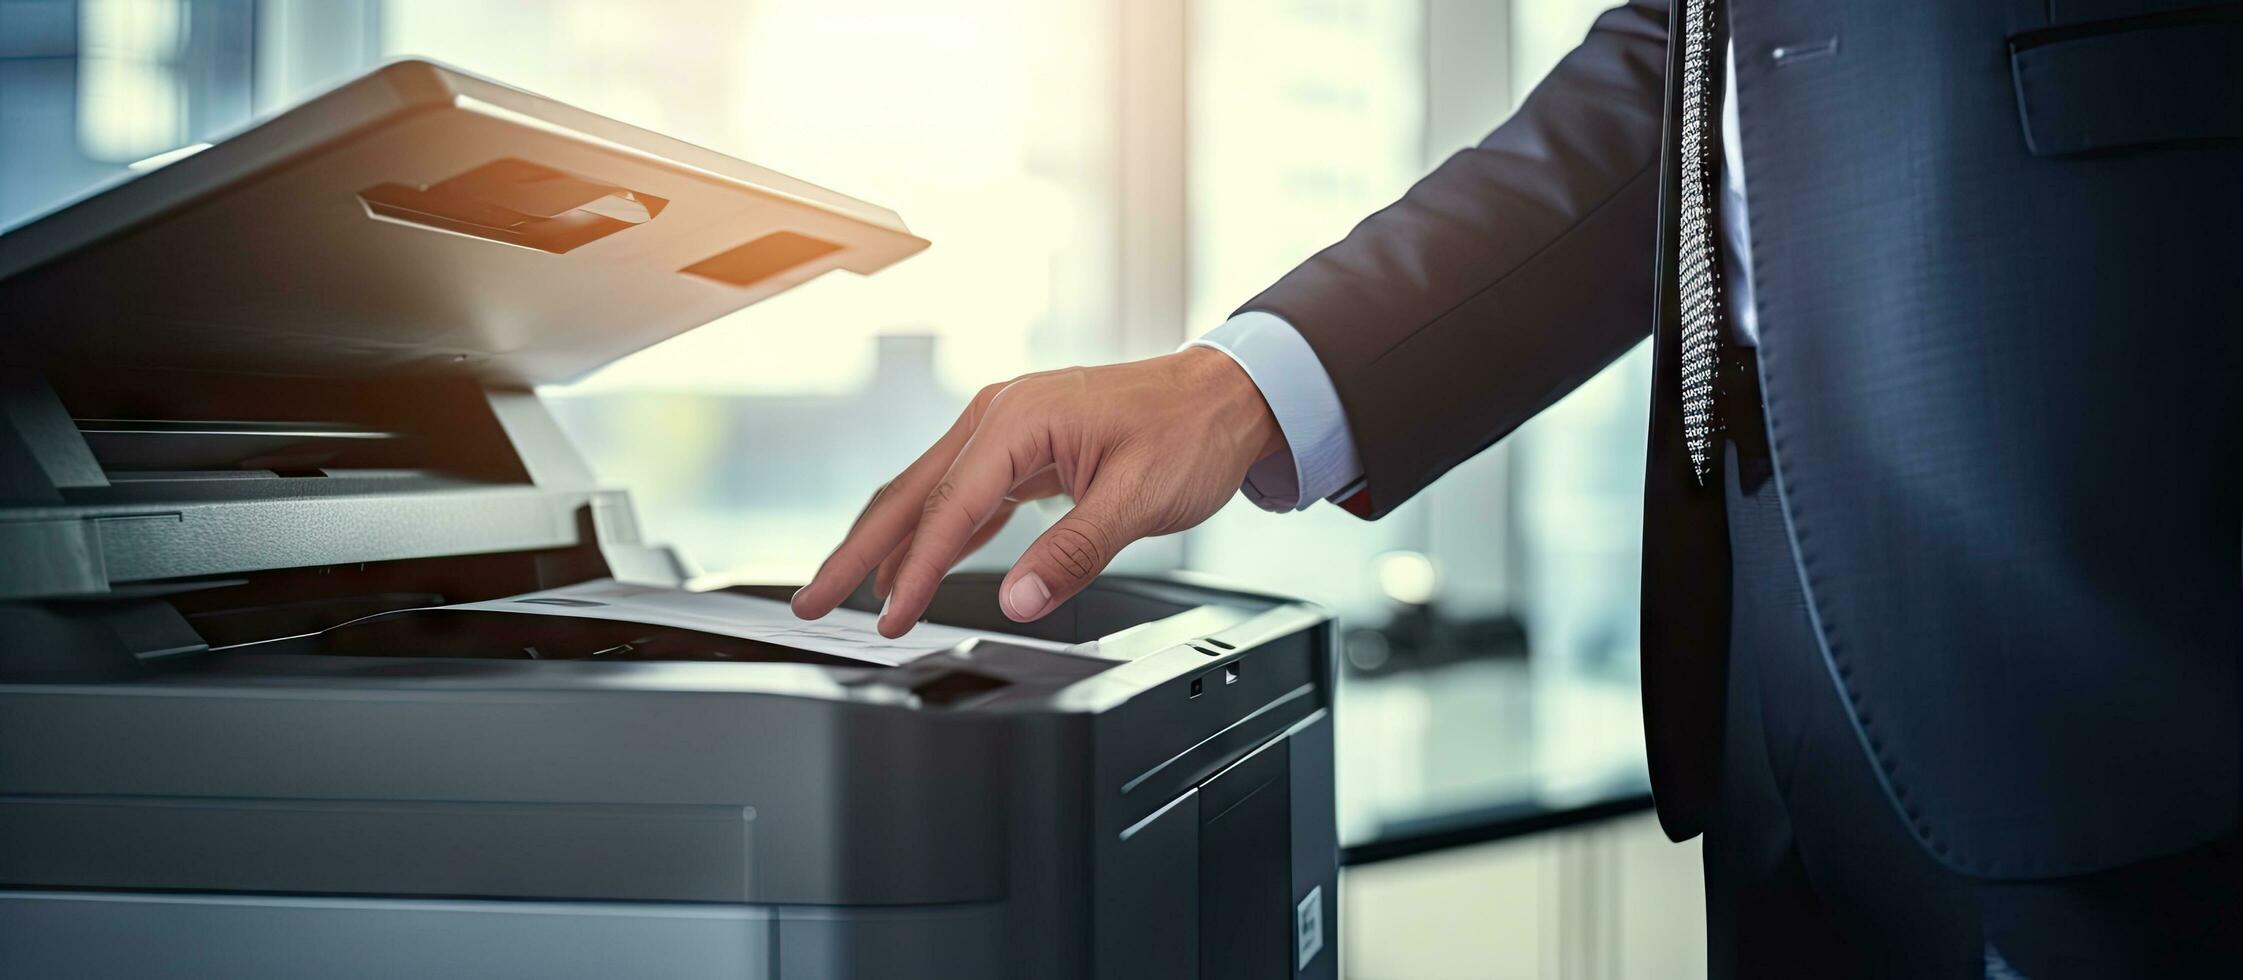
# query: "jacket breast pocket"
{"points": [[2166, 76]]}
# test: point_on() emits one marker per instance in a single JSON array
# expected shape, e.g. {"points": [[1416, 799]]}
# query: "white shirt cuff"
{"points": [[1319, 461]]}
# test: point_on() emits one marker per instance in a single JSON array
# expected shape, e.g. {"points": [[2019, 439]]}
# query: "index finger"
{"points": [[883, 525], [993, 461]]}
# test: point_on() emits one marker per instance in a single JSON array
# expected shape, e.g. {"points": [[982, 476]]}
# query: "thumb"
{"points": [[1069, 555]]}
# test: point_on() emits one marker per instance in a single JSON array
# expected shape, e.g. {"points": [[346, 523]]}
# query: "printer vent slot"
{"points": [[157, 449]]}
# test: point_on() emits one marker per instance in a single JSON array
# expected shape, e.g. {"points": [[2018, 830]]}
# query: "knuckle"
{"points": [[1074, 380], [1009, 393], [940, 498], [988, 398], [1078, 548]]}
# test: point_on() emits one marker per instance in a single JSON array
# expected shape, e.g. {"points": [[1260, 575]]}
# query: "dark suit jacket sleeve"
{"points": [[1504, 278]]}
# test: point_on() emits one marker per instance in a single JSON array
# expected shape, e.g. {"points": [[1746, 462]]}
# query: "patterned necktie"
{"points": [[1699, 280]]}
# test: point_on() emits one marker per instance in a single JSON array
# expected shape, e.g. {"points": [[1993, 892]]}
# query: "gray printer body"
{"points": [[286, 383]]}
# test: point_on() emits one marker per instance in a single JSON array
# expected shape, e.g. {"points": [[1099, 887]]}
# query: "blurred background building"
{"points": [[1101, 179]]}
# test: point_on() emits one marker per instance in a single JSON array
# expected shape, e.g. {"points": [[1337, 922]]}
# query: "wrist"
{"points": [[1236, 400]]}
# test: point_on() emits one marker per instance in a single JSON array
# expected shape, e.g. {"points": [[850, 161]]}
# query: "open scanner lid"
{"points": [[420, 220]]}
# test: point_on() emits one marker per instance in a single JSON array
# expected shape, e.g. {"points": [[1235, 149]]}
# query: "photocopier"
{"points": [[287, 383]]}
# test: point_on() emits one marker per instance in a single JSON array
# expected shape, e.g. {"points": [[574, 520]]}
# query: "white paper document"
{"points": [[842, 633]]}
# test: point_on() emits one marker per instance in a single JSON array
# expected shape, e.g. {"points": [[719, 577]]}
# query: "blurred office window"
{"points": [[1577, 514], [1304, 117], [1580, 464], [131, 100], [89, 87]]}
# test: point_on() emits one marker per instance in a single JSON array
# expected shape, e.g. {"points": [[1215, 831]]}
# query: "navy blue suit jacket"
{"points": [[1998, 265]]}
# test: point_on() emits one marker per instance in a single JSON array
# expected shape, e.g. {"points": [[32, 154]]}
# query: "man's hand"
{"points": [[1145, 448]]}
